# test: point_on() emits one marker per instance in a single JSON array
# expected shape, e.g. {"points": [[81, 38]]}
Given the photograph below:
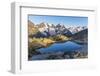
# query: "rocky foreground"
{"points": [[60, 55]]}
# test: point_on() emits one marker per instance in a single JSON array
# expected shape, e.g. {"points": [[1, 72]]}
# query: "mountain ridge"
{"points": [[45, 29]]}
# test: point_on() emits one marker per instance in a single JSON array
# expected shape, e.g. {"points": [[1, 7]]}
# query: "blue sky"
{"points": [[66, 20]]}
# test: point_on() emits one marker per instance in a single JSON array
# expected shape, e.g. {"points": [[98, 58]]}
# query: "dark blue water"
{"points": [[63, 47]]}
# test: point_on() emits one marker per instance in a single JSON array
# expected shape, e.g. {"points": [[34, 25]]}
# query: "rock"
{"points": [[67, 57]]}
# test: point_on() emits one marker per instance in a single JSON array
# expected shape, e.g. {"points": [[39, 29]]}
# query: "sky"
{"points": [[64, 20]]}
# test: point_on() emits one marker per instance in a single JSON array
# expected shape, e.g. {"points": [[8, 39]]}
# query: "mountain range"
{"points": [[45, 30]]}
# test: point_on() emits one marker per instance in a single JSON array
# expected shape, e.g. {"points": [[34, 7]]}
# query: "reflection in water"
{"points": [[65, 46], [64, 50]]}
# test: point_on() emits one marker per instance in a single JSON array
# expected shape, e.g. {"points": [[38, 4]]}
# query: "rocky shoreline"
{"points": [[60, 55]]}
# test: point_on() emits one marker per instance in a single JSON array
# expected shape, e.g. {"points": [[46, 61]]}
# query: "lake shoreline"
{"points": [[60, 55]]}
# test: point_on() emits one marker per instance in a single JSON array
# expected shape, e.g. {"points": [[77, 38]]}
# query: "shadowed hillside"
{"points": [[81, 36], [32, 29]]}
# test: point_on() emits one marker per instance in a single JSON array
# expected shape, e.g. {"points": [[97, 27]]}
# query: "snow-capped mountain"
{"points": [[46, 29], [59, 29], [75, 29]]}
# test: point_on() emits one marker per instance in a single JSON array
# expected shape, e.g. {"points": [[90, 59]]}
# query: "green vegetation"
{"points": [[59, 38], [45, 41], [36, 43]]}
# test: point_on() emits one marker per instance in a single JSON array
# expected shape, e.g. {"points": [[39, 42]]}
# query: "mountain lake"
{"points": [[60, 47]]}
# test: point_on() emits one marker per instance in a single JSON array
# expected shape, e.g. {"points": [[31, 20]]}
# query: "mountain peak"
{"points": [[31, 24]]}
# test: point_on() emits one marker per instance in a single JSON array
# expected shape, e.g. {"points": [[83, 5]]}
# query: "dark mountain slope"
{"points": [[81, 36]]}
